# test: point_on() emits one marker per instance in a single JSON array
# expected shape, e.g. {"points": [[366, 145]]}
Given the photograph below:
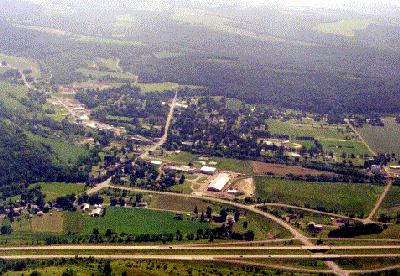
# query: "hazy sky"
{"points": [[368, 6]]}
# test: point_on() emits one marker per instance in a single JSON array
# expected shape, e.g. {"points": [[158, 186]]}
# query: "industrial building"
{"points": [[208, 170], [218, 183]]}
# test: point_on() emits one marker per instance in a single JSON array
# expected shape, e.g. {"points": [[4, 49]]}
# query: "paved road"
{"points": [[202, 257], [163, 138], [379, 202], [335, 268], [196, 247]]}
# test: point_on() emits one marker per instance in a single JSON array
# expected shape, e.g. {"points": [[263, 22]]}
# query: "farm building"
{"points": [[96, 212], [156, 162], [208, 170], [219, 182], [186, 169]]}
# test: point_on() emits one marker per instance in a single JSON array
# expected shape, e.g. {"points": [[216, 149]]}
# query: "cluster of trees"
{"points": [[352, 230], [125, 101]]}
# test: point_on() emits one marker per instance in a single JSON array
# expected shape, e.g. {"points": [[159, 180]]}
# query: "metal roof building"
{"points": [[218, 183]]}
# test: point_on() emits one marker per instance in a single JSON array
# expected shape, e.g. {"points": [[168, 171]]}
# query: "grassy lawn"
{"points": [[223, 164], [140, 221], [383, 139], [346, 27], [52, 190], [346, 198]]}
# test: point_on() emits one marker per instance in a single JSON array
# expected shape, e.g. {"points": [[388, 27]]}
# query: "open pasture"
{"points": [[345, 198]]}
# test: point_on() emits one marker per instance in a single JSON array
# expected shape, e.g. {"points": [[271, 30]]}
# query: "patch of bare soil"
{"points": [[245, 186]]}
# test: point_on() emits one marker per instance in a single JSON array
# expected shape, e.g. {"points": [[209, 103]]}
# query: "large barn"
{"points": [[218, 183]]}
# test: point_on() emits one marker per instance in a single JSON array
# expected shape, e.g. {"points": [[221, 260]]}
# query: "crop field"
{"points": [[346, 198], [177, 203], [140, 221], [52, 190], [48, 223], [316, 130], [223, 164], [345, 27], [383, 139], [391, 203], [66, 152], [22, 63]]}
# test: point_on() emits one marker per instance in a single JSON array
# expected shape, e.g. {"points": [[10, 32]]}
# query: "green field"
{"points": [[110, 63], [52, 190], [345, 198], [292, 129], [383, 139], [346, 27], [140, 221]]}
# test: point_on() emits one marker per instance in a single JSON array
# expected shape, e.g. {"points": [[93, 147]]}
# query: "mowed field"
{"points": [[383, 139], [52, 190], [346, 198], [278, 169], [140, 221]]}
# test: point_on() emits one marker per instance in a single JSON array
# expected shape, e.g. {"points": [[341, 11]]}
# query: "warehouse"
{"points": [[218, 183]]}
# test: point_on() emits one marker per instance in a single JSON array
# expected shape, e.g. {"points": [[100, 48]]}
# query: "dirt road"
{"points": [[379, 202]]}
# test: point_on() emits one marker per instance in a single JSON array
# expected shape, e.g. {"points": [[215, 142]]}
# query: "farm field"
{"points": [[278, 169], [383, 139], [391, 203], [162, 86], [140, 221], [223, 164], [52, 190], [346, 27], [346, 198], [177, 203]]}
